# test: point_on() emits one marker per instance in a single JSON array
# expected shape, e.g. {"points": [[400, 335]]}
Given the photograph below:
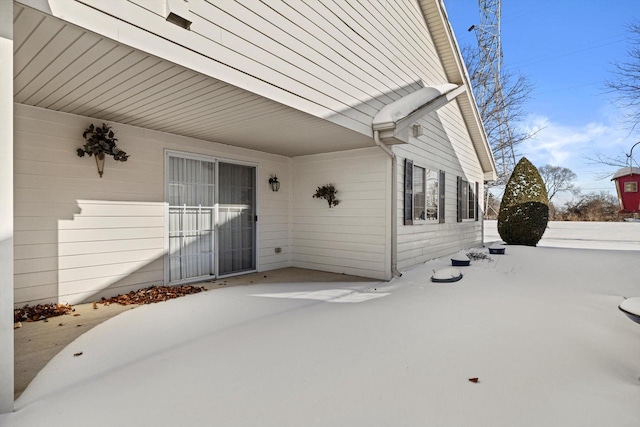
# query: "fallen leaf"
{"points": [[95, 305], [40, 312], [17, 325], [77, 354], [474, 380], [153, 294]]}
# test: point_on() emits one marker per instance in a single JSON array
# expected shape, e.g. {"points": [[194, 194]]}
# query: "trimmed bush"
{"points": [[524, 210]]}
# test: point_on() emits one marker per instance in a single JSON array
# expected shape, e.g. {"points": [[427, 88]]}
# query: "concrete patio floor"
{"points": [[538, 327], [36, 343]]}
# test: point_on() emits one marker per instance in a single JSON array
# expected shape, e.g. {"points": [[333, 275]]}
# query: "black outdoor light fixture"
{"points": [[275, 184]]}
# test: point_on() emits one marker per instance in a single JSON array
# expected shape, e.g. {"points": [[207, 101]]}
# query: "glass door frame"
{"points": [[215, 160]]}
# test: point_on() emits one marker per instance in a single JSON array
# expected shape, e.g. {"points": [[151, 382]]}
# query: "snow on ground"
{"points": [[576, 234], [540, 328]]}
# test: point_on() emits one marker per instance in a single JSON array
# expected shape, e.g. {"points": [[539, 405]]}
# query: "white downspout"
{"points": [[394, 203]]}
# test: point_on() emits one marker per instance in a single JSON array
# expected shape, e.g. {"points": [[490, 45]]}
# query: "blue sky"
{"points": [[566, 49]]}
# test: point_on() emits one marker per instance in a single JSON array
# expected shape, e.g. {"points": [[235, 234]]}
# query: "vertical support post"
{"points": [[6, 207]]}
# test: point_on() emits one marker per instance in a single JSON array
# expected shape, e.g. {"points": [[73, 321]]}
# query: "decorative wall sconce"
{"points": [[274, 183]]}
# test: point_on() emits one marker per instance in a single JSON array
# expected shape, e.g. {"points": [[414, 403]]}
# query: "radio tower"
{"points": [[489, 87]]}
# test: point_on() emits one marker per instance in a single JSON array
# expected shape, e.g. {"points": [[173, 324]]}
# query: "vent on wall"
{"points": [[178, 20], [176, 10]]}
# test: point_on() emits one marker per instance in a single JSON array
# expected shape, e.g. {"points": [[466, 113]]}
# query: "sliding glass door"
{"points": [[236, 219], [191, 189], [211, 205]]}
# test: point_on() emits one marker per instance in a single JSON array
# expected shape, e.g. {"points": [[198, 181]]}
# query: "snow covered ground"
{"points": [[575, 234], [540, 328]]}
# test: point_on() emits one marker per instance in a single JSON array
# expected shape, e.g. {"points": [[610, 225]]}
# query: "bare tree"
{"points": [[516, 90], [558, 179], [492, 206], [625, 83]]}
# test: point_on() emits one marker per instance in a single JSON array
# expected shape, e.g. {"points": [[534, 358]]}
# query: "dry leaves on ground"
{"points": [[153, 294], [34, 313], [142, 296]]}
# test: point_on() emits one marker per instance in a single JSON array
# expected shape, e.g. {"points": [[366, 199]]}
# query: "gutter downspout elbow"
{"points": [[394, 203]]}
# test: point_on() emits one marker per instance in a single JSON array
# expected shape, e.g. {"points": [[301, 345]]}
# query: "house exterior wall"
{"points": [[353, 237], [79, 236], [6, 206], [445, 146], [333, 59]]}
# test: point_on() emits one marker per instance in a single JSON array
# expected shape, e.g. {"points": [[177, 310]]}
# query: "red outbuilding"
{"points": [[627, 183]]}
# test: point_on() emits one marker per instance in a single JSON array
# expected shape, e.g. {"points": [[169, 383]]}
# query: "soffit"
{"points": [[61, 67]]}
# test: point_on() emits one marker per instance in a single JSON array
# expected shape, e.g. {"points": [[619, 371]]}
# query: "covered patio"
{"points": [[65, 77], [38, 342]]}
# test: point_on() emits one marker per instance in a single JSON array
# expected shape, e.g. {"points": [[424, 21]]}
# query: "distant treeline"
{"points": [[601, 206]]}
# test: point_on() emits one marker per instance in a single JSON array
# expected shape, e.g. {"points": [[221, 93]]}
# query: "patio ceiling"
{"points": [[65, 68]]}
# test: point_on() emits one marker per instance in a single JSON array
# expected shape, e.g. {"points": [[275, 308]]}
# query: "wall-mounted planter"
{"points": [[99, 142], [100, 163], [327, 192]]}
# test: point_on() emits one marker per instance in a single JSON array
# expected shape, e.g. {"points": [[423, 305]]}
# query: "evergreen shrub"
{"points": [[524, 210]]}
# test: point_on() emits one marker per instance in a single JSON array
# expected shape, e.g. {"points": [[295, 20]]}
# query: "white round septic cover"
{"points": [[631, 306], [447, 275]]}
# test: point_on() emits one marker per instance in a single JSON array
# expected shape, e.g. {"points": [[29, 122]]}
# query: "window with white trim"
{"points": [[467, 200], [423, 194], [471, 202]]}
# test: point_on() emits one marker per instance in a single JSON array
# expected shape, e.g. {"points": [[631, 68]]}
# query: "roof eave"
{"points": [[458, 73]]}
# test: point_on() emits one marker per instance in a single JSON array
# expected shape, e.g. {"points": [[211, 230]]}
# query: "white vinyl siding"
{"points": [[351, 238], [79, 237], [340, 60], [445, 146]]}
